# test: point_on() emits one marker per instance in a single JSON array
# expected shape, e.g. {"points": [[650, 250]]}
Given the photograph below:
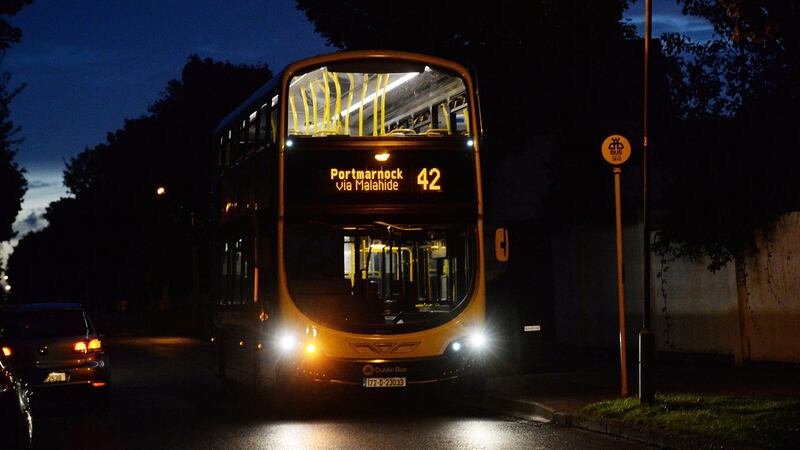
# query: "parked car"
{"points": [[16, 422], [54, 346]]}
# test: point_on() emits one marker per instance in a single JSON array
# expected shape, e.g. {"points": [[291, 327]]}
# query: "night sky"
{"points": [[88, 65]]}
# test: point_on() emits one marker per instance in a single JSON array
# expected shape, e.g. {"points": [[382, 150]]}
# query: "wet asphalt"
{"points": [[165, 395]]}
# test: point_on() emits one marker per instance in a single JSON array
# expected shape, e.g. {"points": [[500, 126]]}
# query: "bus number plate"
{"points": [[385, 382]]}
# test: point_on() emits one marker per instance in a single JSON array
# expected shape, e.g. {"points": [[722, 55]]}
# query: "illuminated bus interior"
{"points": [[379, 277], [388, 100]]}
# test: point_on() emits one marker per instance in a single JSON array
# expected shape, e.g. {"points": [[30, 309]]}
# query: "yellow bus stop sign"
{"points": [[616, 149]]}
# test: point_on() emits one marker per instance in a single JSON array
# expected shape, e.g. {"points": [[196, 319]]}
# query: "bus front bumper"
{"points": [[358, 372]]}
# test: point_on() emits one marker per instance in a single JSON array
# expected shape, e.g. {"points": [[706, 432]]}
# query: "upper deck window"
{"points": [[377, 99]]}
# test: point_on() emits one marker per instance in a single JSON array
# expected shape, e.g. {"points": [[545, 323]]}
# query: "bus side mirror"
{"points": [[501, 244]]}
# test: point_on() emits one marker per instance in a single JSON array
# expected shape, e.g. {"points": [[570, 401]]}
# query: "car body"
{"points": [[16, 421], [55, 346]]}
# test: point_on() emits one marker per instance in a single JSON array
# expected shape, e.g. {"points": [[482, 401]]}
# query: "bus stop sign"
{"points": [[616, 149]]}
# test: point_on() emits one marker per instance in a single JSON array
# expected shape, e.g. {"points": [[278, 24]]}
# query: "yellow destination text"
{"points": [[366, 180]]}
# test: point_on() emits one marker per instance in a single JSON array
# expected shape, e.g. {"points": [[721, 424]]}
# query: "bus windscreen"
{"points": [[379, 276]]}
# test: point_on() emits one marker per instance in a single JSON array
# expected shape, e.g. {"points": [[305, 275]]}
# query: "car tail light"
{"points": [[90, 346], [95, 345], [7, 352]]}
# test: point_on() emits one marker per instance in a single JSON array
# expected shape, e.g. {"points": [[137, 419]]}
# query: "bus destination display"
{"points": [[356, 177], [383, 179]]}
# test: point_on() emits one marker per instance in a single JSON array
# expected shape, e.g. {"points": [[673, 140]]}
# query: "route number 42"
{"points": [[429, 179]]}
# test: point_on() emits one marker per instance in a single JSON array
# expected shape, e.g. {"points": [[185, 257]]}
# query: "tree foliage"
{"points": [[116, 240], [10, 34], [12, 180], [737, 149]]}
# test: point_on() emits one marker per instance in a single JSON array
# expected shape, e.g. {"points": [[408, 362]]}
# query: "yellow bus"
{"points": [[350, 233]]}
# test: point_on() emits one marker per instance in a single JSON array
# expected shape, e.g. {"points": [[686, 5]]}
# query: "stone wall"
{"points": [[693, 309]]}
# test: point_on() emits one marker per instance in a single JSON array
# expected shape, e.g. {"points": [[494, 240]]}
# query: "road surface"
{"points": [[165, 396]]}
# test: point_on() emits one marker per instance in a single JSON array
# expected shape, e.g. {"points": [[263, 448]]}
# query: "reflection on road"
{"points": [[165, 395]]}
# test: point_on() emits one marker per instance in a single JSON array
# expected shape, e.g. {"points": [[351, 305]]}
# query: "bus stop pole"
{"points": [[623, 353]]}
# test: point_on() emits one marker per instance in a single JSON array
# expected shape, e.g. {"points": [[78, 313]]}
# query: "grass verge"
{"points": [[763, 422]]}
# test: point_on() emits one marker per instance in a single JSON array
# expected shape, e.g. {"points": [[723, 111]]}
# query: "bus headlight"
{"points": [[286, 343], [478, 340]]}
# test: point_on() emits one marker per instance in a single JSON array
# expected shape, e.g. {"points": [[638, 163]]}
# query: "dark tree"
{"points": [[12, 180], [740, 103], [46, 265], [116, 240], [9, 34]]}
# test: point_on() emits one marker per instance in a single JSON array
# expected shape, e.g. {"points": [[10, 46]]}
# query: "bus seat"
{"points": [[436, 132], [401, 132], [323, 133]]}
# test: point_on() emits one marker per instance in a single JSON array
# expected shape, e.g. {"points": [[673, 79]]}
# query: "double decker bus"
{"points": [[350, 225]]}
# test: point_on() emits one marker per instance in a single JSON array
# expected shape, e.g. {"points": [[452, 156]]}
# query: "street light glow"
{"points": [[161, 190]]}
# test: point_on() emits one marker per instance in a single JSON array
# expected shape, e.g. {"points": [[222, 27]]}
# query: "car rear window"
{"points": [[42, 324]]}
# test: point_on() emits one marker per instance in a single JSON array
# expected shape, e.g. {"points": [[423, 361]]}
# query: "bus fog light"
{"points": [[456, 346], [311, 348]]}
